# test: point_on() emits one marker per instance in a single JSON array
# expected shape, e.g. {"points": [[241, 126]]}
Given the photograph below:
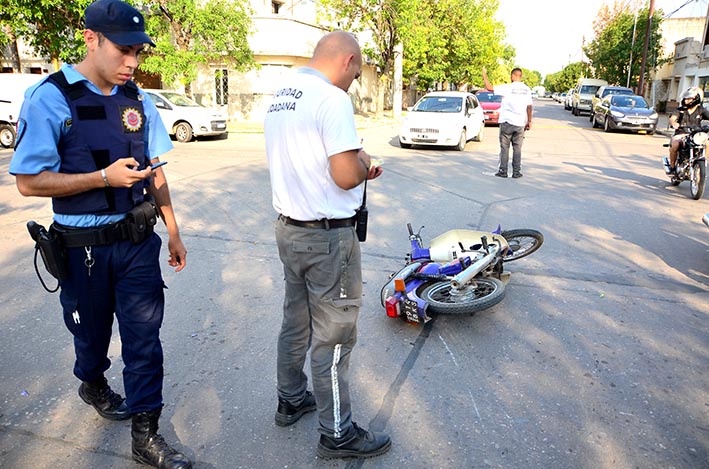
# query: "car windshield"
{"points": [[618, 91], [179, 99], [489, 98], [588, 89], [628, 101], [439, 104]]}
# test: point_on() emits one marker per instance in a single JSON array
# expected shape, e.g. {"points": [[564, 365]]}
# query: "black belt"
{"points": [[321, 224], [94, 236]]}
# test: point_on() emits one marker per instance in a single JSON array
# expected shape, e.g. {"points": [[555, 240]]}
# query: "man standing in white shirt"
{"points": [[318, 168], [515, 119]]}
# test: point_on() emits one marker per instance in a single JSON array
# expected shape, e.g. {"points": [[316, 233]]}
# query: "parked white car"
{"points": [[12, 92], [184, 118], [445, 118]]}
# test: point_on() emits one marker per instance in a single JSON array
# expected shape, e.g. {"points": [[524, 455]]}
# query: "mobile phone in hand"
{"points": [[157, 165]]}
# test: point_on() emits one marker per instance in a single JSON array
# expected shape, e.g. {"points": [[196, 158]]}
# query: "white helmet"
{"points": [[695, 94]]}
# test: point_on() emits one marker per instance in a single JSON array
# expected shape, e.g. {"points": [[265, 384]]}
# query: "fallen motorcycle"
{"points": [[461, 272], [691, 162]]}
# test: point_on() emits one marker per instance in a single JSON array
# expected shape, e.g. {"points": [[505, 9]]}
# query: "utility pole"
{"points": [[648, 33]]}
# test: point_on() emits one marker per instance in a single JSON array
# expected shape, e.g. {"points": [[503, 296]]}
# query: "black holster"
{"points": [[51, 248], [140, 221]]}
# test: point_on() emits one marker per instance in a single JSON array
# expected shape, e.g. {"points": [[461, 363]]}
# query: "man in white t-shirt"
{"points": [[515, 119], [318, 167]]}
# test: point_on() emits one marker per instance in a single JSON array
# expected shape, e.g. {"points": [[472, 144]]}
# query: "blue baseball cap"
{"points": [[118, 21]]}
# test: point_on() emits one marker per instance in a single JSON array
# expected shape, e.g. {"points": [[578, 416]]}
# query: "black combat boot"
{"points": [[357, 443], [150, 448], [107, 403], [288, 414]]}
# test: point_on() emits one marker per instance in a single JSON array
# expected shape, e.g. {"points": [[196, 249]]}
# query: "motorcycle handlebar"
{"points": [[411, 230]]}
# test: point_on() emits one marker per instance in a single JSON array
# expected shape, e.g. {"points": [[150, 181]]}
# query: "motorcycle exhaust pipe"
{"points": [[468, 274]]}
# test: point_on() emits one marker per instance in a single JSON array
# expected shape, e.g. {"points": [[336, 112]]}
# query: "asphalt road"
{"points": [[597, 357]]}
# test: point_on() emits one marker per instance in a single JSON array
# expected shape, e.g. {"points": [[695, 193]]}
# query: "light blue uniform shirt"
{"points": [[41, 125]]}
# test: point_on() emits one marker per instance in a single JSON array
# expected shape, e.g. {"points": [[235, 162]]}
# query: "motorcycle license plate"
{"points": [[411, 311]]}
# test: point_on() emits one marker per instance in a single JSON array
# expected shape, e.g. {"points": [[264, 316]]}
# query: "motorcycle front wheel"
{"points": [[522, 243], [697, 183], [482, 294]]}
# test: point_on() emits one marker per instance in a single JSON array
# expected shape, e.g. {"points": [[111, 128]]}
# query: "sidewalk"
{"points": [[663, 126]]}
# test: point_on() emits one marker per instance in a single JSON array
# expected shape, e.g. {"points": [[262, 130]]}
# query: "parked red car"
{"points": [[491, 106]]}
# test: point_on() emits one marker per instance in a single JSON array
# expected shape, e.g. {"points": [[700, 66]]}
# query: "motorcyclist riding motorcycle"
{"points": [[689, 114]]}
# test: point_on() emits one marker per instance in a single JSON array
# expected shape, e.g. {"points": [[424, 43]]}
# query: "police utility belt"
{"points": [[51, 244]]}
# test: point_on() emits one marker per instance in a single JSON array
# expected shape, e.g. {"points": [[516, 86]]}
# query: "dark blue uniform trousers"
{"points": [[125, 279]]}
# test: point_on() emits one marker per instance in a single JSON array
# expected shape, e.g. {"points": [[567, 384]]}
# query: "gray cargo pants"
{"points": [[515, 135], [323, 294]]}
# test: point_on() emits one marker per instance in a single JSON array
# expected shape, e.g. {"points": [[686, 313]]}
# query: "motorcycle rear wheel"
{"points": [[522, 242], [485, 293], [696, 185]]}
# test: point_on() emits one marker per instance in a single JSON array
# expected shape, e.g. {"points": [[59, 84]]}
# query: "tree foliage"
{"points": [[610, 50], [566, 78], [52, 27], [531, 78], [444, 41], [451, 40], [190, 32]]}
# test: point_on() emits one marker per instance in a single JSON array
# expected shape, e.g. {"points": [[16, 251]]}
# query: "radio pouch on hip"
{"points": [[49, 245], [362, 216], [140, 221]]}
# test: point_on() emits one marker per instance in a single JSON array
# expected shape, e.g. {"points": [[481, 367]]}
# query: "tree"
{"points": [[612, 46], [451, 40], [52, 27], [190, 32], [383, 19], [446, 40], [531, 78], [566, 78]]}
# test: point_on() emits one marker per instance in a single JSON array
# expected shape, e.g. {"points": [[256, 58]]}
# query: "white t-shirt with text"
{"points": [[516, 96], [308, 121]]}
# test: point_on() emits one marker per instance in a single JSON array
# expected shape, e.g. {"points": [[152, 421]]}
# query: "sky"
{"points": [[547, 34]]}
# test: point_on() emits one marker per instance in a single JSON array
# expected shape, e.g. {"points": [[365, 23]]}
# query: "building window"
{"points": [[276, 7], [221, 85]]}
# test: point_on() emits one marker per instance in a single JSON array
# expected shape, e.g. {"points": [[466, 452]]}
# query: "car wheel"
{"points": [[183, 132], [651, 131], [462, 141], [479, 136], [607, 125], [404, 145], [7, 136]]}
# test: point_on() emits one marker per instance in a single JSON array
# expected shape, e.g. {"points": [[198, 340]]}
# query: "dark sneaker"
{"points": [[358, 443], [108, 404], [288, 414], [500, 174], [517, 175]]}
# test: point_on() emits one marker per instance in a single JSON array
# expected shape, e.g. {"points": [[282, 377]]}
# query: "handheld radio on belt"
{"points": [[362, 216]]}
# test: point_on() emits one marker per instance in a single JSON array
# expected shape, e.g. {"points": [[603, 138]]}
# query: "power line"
{"points": [[682, 6]]}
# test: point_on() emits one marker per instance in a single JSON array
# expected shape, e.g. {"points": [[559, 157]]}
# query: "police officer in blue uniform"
{"points": [[87, 139]]}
